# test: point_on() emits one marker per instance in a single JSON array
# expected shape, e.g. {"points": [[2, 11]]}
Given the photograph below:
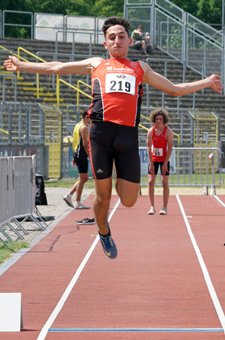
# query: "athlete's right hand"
{"points": [[12, 64]]}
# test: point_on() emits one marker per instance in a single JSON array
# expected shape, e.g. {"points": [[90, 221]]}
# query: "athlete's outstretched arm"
{"points": [[53, 67], [161, 83]]}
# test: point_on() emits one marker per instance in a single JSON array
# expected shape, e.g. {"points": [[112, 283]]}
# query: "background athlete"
{"points": [[159, 146], [80, 158], [120, 85]]}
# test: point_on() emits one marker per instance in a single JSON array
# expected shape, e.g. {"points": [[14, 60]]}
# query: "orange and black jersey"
{"points": [[117, 91]]}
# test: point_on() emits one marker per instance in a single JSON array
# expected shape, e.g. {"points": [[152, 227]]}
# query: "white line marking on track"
{"points": [[72, 283], [208, 281], [219, 200]]}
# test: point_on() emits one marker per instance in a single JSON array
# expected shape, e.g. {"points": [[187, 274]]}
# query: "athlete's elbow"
{"points": [[175, 92], [56, 69]]}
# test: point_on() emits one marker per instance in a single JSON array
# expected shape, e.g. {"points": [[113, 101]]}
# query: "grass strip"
{"points": [[13, 247]]}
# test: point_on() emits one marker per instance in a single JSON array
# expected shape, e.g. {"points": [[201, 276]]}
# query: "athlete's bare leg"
{"points": [[103, 188], [151, 185], [83, 178], [78, 186], [127, 191], [166, 190]]}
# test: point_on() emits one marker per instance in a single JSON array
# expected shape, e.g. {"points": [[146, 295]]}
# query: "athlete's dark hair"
{"points": [[112, 21], [84, 113], [161, 112]]}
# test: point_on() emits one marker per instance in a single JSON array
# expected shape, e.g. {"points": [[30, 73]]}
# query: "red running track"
{"points": [[155, 289]]}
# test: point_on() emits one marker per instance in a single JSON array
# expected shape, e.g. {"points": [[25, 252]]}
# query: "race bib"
{"points": [[116, 82], [158, 152]]}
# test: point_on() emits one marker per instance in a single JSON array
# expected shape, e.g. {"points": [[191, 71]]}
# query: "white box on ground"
{"points": [[10, 312]]}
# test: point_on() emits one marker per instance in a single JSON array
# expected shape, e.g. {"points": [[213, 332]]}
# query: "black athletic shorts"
{"points": [[82, 163], [108, 142], [157, 164], [138, 44]]}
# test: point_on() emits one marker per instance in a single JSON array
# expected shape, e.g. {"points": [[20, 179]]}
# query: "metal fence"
{"points": [[189, 167], [179, 34], [18, 191], [25, 132], [19, 15]]}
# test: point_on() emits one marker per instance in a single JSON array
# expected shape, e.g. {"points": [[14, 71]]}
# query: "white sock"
{"points": [[69, 195], [77, 202]]}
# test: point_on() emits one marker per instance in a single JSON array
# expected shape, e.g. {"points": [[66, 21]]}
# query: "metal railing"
{"points": [[12, 76], [38, 89], [185, 64], [189, 167], [9, 24], [5, 132], [174, 31], [36, 58], [179, 34], [73, 87]]}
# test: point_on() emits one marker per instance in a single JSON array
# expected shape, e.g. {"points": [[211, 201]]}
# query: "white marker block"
{"points": [[10, 312]]}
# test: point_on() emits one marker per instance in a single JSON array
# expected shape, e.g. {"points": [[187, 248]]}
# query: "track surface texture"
{"points": [[167, 281]]}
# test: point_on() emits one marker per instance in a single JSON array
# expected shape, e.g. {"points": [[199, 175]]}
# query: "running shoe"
{"points": [[86, 221], [151, 211], [68, 201], [163, 211], [108, 245], [81, 206]]}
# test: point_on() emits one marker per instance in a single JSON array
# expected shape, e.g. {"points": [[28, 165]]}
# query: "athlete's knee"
{"points": [[102, 199], [128, 201], [127, 192], [86, 178], [151, 181], [165, 184], [83, 178]]}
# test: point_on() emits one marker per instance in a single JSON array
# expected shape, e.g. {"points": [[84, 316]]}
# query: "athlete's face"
{"points": [[159, 121], [117, 41]]}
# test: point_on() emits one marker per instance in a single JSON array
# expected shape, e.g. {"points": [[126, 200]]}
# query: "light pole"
{"points": [[223, 17], [223, 46]]}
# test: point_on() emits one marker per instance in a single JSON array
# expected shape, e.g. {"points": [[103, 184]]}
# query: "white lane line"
{"points": [[219, 200], [72, 283], [208, 281]]}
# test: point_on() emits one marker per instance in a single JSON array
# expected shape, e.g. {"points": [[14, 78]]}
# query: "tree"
{"points": [[210, 11], [188, 6], [104, 8], [15, 18], [13, 5]]}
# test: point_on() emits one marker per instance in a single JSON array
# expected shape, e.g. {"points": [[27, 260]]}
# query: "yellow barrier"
{"points": [[32, 55], [23, 59], [143, 127], [73, 87], [78, 92], [3, 48], [58, 79], [146, 118], [4, 131]]}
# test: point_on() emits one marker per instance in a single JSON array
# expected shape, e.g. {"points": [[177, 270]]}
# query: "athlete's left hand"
{"points": [[216, 83]]}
